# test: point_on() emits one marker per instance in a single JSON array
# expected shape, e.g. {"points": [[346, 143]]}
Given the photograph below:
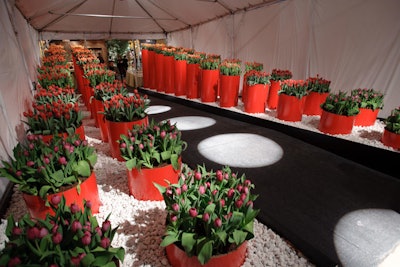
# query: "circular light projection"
{"points": [[368, 237], [192, 122], [157, 109], [241, 150]]}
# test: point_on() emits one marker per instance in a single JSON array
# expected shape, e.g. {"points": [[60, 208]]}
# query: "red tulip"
{"points": [[192, 212]]}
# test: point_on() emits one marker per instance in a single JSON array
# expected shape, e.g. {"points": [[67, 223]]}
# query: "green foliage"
{"points": [[393, 121], [254, 77], [230, 67], [368, 98], [280, 75], [209, 212], [297, 88], [117, 47], [318, 84], [340, 104]]}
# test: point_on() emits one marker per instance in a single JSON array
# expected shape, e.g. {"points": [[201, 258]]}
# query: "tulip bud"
{"points": [[43, 232], [178, 191], [173, 218], [105, 242], [222, 202], [57, 238], [88, 204], [197, 176], [122, 145], [192, 212], [105, 226], [202, 189], [86, 239], [184, 188], [238, 203], [75, 226], [219, 175], [206, 217], [55, 200], [231, 192], [30, 163], [16, 230], [175, 207], [32, 232], [14, 262], [62, 161], [218, 222], [74, 208]]}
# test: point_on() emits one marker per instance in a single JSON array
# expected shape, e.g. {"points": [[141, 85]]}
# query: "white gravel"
{"points": [[142, 223]]}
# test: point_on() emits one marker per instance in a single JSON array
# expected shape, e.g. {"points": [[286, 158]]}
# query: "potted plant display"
{"points": [[210, 217], [70, 237], [153, 155], [61, 166], [169, 76], [209, 78], [338, 114], [369, 102], [121, 112], [277, 76], [257, 84], [230, 70], [180, 69], [248, 67], [193, 75], [318, 90], [291, 100], [391, 133]]}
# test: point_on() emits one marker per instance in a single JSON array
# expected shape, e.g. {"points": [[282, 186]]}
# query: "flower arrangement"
{"points": [[97, 76], [254, 77], [168, 51], [340, 104], [230, 67], [210, 63], [297, 88], [393, 121], [209, 213], [122, 108], [56, 76], [53, 60], [41, 168], [280, 75], [253, 66], [105, 90], [71, 237], [54, 111], [180, 55], [318, 84], [368, 98], [152, 145], [195, 58]]}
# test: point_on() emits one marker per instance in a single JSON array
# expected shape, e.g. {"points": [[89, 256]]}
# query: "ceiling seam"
{"points": [[148, 13]]}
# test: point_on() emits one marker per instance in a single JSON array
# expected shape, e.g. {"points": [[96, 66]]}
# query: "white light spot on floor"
{"points": [[157, 109], [192, 122], [241, 150], [368, 237]]}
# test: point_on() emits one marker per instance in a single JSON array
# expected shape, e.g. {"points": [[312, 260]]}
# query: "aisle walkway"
{"points": [[335, 211]]}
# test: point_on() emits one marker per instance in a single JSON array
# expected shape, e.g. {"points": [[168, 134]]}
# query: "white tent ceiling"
{"points": [[125, 18]]}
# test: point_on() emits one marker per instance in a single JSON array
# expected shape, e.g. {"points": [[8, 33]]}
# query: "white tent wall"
{"points": [[355, 44], [19, 57]]}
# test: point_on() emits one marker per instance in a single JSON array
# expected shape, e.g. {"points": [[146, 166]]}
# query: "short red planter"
{"points": [[193, 81], [101, 120], [391, 139], [312, 105], [290, 108], [178, 258], [88, 191], [169, 79], [229, 91], [79, 131], [256, 98], [331, 123], [141, 182], [180, 77], [209, 85], [115, 129], [273, 97], [366, 117]]}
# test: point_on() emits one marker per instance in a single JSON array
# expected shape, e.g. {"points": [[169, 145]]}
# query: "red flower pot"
{"points": [[256, 98], [229, 91], [85, 92], [272, 101], [312, 106], [88, 191], [391, 139], [145, 67], [192, 81], [169, 79], [366, 117], [245, 87], [80, 131], [290, 108], [180, 77], [209, 85], [115, 129], [141, 182], [331, 123], [178, 258], [101, 120], [160, 72], [152, 70]]}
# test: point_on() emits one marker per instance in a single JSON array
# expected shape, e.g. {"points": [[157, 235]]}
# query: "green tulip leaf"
{"points": [[188, 241], [82, 168], [205, 252]]}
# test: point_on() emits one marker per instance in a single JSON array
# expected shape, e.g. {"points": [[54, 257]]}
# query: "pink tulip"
{"points": [[86, 239], [184, 188], [219, 175], [238, 203], [105, 226], [218, 222], [55, 200], [62, 161], [197, 176], [16, 230], [222, 202], [206, 217], [202, 190], [32, 232], [105, 242], [30, 163], [175, 207], [75, 208], [43, 232], [122, 145], [173, 218], [57, 238], [192, 212], [231, 192], [75, 226]]}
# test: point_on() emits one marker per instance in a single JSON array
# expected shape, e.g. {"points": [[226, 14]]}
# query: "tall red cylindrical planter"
{"points": [[391, 139], [115, 129], [229, 91], [180, 77], [160, 72], [178, 257], [169, 78], [152, 69], [141, 182], [366, 117], [256, 98], [331, 123], [209, 85], [88, 191], [85, 92], [101, 120], [273, 97], [290, 108], [244, 88], [312, 106], [145, 67], [193, 81]]}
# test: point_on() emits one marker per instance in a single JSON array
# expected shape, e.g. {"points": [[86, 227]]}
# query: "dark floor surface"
{"points": [[305, 195]]}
